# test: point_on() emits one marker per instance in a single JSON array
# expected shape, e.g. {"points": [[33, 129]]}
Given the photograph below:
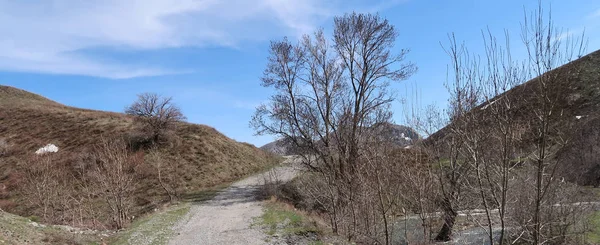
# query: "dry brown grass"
{"points": [[577, 95], [198, 158]]}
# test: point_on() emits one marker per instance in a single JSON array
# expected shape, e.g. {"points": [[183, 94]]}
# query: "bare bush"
{"points": [[161, 165], [115, 176], [89, 211], [42, 185], [50, 189], [157, 115], [418, 187]]}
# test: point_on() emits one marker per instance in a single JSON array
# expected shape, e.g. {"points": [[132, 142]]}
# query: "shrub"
{"points": [[156, 115]]}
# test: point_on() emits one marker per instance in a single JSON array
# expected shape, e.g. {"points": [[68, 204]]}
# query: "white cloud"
{"points": [[49, 36]]}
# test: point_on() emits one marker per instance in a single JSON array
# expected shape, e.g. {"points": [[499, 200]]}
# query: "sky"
{"points": [[209, 55]]}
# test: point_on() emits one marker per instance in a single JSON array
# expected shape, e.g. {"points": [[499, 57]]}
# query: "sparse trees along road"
{"points": [[330, 95], [490, 157]]}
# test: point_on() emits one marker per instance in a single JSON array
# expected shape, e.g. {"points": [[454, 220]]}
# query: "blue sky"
{"points": [[210, 54]]}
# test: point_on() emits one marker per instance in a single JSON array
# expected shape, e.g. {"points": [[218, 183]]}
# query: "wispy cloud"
{"points": [[51, 36], [216, 95], [571, 34], [595, 14]]}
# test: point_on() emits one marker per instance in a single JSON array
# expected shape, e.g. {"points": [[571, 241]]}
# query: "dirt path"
{"points": [[226, 219]]}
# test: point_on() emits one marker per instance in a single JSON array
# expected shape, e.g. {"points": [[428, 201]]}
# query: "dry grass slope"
{"points": [[578, 90], [199, 158]]}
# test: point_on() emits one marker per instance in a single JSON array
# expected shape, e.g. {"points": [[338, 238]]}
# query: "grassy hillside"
{"points": [[198, 158], [577, 90]]}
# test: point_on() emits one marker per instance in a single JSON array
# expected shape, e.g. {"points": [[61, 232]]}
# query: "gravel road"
{"points": [[226, 219]]}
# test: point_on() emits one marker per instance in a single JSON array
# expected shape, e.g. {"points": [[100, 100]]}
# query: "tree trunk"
{"points": [[445, 234]]}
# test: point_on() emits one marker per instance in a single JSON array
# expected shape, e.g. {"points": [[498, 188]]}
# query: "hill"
{"points": [[577, 93], [398, 134], [198, 158], [15, 96], [279, 147]]}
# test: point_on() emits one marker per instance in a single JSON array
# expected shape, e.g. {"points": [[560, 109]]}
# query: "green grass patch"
{"points": [[444, 162], [278, 219], [153, 229], [593, 236]]}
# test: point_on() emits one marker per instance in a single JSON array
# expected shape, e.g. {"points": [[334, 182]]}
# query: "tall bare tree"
{"points": [[454, 167], [327, 94], [491, 124], [547, 48], [156, 114]]}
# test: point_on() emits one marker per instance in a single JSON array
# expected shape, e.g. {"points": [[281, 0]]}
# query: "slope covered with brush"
{"points": [[577, 109], [197, 158]]}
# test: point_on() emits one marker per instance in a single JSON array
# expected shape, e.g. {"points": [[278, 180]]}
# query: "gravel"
{"points": [[228, 217]]}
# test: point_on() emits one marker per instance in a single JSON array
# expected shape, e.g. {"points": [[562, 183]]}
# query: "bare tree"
{"points": [[161, 165], [503, 121], [493, 123], [327, 95], [547, 49], [48, 187], [115, 175], [157, 115], [450, 153], [85, 181], [42, 185]]}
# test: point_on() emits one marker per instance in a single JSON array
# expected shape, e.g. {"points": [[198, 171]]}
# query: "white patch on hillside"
{"points": [[47, 149], [404, 137], [578, 117]]}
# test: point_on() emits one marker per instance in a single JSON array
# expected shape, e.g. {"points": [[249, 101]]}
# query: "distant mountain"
{"points": [[398, 134], [279, 147]]}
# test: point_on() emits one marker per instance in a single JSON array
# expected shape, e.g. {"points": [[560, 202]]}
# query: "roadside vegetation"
{"points": [[500, 158], [19, 230], [509, 160], [280, 219], [154, 228], [111, 168]]}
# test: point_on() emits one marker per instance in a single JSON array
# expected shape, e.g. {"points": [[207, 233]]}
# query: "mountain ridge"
{"points": [[399, 135]]}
